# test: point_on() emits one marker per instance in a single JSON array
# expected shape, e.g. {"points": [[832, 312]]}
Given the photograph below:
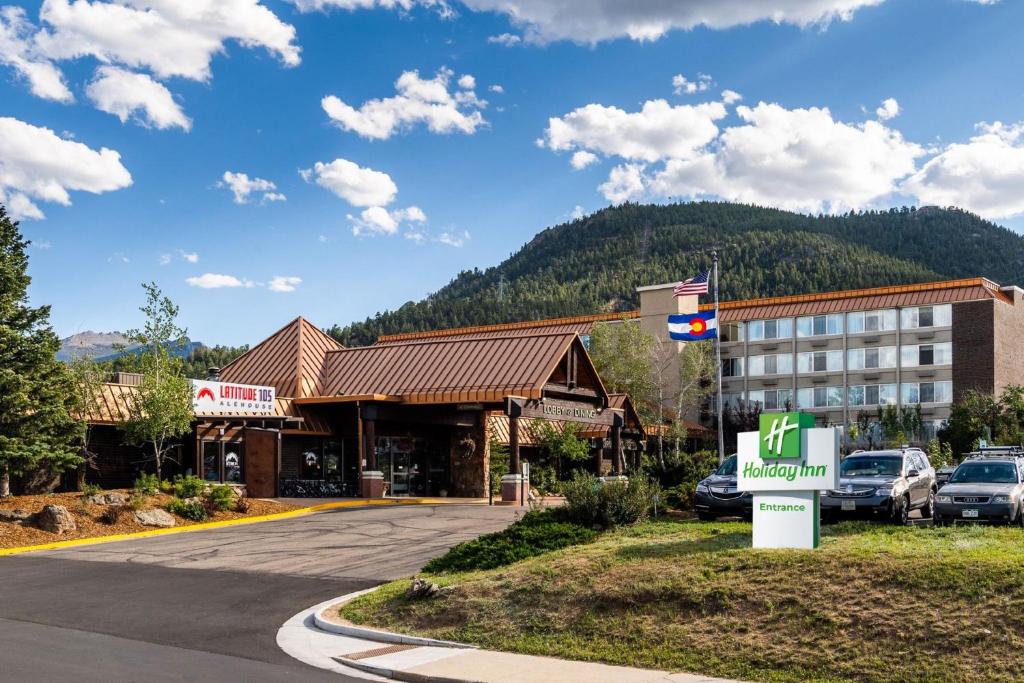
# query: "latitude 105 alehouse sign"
{"points": [[786, 464]]}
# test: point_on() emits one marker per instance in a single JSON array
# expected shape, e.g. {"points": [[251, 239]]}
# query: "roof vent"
{"points": [[213, 374]]}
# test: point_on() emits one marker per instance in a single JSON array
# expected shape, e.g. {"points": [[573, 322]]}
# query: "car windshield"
{"points": [[727, 468], [871, 465], [985, 473]]}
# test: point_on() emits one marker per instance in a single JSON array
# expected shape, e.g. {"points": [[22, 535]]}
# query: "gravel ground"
{"points": [[87, 517]]}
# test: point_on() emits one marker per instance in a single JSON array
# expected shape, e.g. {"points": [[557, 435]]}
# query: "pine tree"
{"points": [[37, 432]]}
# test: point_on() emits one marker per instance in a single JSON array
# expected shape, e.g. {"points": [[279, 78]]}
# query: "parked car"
{"points": [[943, 474], [983, 489], [717, 495], [882, 485]]}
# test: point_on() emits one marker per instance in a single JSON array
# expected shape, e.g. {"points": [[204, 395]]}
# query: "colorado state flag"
{"points": [[693, 327]]}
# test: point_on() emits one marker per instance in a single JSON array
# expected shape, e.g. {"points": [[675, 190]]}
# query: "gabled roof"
{"points": [[458, 370], [290, 360]]}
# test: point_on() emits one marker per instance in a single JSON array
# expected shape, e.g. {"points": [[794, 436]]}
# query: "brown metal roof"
{"points": [[290, 360], [112, 406], [458, 370], [580, 324], [922, 294]]}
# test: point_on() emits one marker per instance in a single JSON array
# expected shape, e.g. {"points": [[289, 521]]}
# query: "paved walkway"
{"points": [[370, 656]]}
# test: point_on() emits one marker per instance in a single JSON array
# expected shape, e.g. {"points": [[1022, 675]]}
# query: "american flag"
{"points": [[698, 284]]}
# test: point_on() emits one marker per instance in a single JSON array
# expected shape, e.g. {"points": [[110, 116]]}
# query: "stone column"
{"points": [[512, 483]]}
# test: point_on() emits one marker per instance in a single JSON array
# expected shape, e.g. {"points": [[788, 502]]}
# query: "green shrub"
{"points": [[137, 502], [166, 486], [680, 475], [90, 490], [590, 502], [147, 484], [220, 497], [188, 487], [189, 509], [538, 532]]}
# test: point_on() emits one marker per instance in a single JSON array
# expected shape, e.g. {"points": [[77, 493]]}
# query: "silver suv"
{"points": [[983, 489], [882, 484]]}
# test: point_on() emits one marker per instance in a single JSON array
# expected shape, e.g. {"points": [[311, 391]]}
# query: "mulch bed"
{"points": [[87, 517]]}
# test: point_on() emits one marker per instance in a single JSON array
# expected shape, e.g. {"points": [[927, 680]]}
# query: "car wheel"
{"points": [[928, 511], [706, 517], [901, 511]]}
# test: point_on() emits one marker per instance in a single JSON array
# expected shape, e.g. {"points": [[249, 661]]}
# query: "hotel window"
{"points": [[732, 367], [819, 361], [927, 392], [773, 399], [772, 364], [871, 321], [819, 325], [872, 395], [770, 329], [926, 316], [819, 397], [871, 359], [731, 400], [732, 332], [927, 354]]}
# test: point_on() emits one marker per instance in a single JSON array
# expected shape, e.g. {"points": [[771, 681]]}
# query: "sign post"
{"points": [[786, 464]]}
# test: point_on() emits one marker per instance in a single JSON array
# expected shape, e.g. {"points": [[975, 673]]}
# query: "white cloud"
{"points": [[731, 96], [18, 51], [577, 213], [658, 131], [682, 86], [164, 259], [497, 89], [454, 239], [376, 220], [126, 94], [889, 109], [167, 37], [37, 164], [402, 5], [506, 39], [417, 236], [581, 159], [984, 175], [418, 100], [190, 256], [357, 185], [284, 283], [798, 159], [217, 281], [591, 21], [242, 186], [45, 245], [625, 182], [467, 82]]}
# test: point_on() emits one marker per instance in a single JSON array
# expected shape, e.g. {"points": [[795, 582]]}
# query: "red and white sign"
{"points": [[227, 398]]}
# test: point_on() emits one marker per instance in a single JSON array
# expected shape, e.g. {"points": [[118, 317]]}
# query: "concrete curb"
{"points": [[397, 674], [354, 631], [288, 514]]}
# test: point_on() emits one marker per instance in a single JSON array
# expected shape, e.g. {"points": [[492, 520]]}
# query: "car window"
{"points": [[918, 463], [728, 467], [924, 461], [871, 465], [985, 473]]}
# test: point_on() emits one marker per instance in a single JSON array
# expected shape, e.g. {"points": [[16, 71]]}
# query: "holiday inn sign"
{"points": [[786, 464]]}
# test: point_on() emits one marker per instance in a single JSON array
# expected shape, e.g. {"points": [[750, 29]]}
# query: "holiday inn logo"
{"points": [[780, 435]]}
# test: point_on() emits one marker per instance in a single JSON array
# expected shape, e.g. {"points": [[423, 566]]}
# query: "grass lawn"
{"points": [[874, 603]]}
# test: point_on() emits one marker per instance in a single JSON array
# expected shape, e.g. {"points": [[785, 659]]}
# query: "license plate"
{"points": [[849, 505], [970, 513]]}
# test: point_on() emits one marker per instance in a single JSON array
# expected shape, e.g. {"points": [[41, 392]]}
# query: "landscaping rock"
{"points": [[421, 589], [111, 498], [18, 516], [56, 519], [154, 517]]}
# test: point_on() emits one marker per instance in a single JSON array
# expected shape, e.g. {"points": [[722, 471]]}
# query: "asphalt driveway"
{"points": [[206, 605]]}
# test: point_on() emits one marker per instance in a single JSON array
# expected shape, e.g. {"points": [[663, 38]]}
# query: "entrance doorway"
{"points": [[412, 467]]}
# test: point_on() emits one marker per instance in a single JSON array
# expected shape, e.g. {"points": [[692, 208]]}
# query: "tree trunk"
{"points": [[157, 458], [80, 477], [5, 482]]}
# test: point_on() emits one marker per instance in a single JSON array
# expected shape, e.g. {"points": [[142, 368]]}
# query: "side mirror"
{"points": [[913, 473]]}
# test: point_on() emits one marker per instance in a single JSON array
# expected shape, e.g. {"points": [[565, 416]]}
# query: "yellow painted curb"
{"points": [[288, 514]]}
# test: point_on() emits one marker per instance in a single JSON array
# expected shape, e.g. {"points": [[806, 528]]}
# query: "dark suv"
{"points": [[883, 485], [717, 495], [983, 489]]}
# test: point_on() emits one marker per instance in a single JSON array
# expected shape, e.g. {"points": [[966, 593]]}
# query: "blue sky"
{"points": [[456, 174]]}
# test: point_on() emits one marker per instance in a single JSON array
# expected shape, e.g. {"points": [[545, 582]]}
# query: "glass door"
{"points": [[401, 465]]}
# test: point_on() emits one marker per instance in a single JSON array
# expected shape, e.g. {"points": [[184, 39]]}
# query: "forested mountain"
{"points": [[594, 264]]}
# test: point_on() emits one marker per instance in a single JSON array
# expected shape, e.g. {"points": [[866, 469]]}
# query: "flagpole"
{"points": [[718, 362]]}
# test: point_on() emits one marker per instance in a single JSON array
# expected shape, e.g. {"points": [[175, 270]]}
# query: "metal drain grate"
{"points": [[379, 652]]}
